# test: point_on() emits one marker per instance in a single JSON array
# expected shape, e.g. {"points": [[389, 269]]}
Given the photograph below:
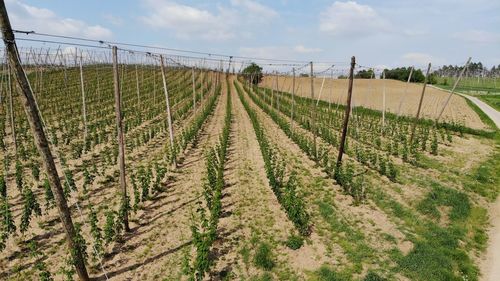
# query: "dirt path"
{"points": [[154, 249], [490, 266], [251, 212], [488, 110]]}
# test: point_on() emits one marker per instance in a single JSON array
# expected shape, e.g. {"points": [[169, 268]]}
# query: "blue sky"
{"points": [[379, 33]]}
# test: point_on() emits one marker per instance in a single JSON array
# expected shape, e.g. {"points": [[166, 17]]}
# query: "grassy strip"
{"points": [[492, 100], [485, 118]]}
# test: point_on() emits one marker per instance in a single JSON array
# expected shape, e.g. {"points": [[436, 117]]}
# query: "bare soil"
{"points": [[369, 93]]}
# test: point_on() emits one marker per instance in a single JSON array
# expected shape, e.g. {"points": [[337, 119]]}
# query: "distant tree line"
{"points": [[475, 69]]}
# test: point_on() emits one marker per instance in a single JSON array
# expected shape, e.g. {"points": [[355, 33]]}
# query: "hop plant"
{"points": [[30, 206], [95, 231], [434, 145], [109, 227], [19, 175], [3, 186], [49, 196], [43, 272]]}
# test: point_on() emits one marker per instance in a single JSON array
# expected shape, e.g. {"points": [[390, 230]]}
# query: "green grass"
{"points": [[485, 118], [485, 179], [492, 100], [263, 257], [443, 196]]}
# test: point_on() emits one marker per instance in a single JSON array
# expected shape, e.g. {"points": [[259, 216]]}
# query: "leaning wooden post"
{"points": [[419, 105], [313, 109], [293, 99], [383, 101], [405, 92], [137, 86], [453, 89], [169, 116], [84, 107], [347, 112], [12, 114], [41, 142], [120, 137], [194, 89]]}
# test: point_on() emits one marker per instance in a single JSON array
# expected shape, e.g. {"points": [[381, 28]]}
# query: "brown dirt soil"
{"points": [[160, 229], [369, 93], [367, 218], [250, 209]]}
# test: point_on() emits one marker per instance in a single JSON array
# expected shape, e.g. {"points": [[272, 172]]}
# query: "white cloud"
{"points": [[259, 11], [114, 20], [351, 19], [186, 21], [27, 17], [420, 59], [305, 50], [236, 20], [478, 36]]}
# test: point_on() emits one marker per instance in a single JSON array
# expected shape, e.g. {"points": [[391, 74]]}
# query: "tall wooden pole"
{"points": [[453, 89], [420, 105], [41, 142], [194, 89], [383, 101], [405, 92], [347, 112], [84, 107], [11, 111], [293, 99], [137, 87], [120, 137], [313, 109], [167, 101]]}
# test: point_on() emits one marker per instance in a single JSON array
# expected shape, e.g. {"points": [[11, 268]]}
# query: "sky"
{"points": [[386, 33]]}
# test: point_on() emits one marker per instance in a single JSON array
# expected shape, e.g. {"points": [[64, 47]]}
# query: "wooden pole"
{"points": [[313, 108], [12, 114], [293, 99], [419, 105], [84, 107], [194, 90], [41, 142], [137, 86], [453, 89], [383, 101], [169, 116], [347, 112], [120, 137], [405, 92]]}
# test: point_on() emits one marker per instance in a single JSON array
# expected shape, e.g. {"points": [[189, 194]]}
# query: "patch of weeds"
{"points": [[351, 240], [325, 273], [443, 196], [485, 179], [294, 242], [372, 276], [263, 257], [438, 256], [264, 277]]}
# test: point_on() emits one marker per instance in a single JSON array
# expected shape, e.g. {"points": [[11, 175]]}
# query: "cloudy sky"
{"points": [[379, 33]]}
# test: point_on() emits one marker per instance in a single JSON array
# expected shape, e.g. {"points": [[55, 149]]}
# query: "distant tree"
{"points": [[402, 74], [253, 73], [364, 74], [304, 75]]}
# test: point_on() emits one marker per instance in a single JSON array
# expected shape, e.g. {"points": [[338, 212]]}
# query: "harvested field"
{"points": [[369, 93]]}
